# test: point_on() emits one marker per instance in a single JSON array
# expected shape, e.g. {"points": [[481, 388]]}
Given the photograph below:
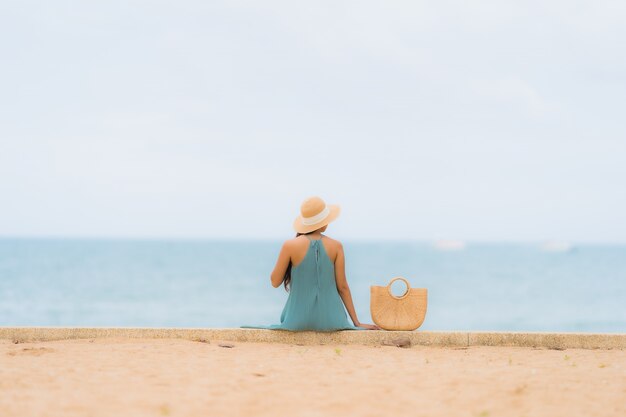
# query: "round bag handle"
{"points": [[408, 287]]}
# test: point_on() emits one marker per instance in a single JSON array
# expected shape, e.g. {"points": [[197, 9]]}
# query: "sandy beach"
{"points": [[171, 377]]}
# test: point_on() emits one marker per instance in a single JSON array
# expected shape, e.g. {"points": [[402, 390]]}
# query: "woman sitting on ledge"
{"points": [[312, 269]]}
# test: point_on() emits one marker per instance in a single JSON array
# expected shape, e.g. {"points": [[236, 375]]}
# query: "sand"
{"points": [[171, 377]]}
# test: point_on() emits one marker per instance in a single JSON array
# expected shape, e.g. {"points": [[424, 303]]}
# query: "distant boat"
{"points": [[556, 246], [449, 245]]}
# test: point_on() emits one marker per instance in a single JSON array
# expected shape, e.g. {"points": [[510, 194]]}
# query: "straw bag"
{"points": [[405, 312]]}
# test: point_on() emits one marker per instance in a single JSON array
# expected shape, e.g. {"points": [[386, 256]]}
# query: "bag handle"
{"points": [[408, 287]]}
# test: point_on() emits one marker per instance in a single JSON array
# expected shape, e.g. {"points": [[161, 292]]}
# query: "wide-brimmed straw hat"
{"points": [[315, 214]]}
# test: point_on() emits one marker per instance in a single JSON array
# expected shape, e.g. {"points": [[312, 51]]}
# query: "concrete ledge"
{"points": [[358, 337]]}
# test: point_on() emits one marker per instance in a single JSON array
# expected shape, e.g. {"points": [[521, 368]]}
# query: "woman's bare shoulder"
{"points": [[332, 242], [296, 242]]}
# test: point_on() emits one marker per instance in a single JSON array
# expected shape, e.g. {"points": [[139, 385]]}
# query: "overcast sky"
{"points": [[424, 120]]}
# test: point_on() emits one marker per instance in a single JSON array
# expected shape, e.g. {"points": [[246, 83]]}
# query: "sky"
{"points": [[479, 121]]}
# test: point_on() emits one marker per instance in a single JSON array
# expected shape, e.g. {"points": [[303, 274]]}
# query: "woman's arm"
{"points": [[342, 285], [278, 274]]}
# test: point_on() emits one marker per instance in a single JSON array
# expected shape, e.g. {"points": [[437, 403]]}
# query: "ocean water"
{"points": [[515, 287]]}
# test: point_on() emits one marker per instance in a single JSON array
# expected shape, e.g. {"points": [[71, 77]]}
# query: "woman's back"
{"points": [[300, 246], [314, 302], [313, 267]]}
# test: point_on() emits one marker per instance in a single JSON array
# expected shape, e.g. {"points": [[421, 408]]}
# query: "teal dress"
{"points": [[314, 302]]}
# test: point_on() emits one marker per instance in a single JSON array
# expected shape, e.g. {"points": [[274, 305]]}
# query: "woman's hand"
{"points": [[368, 326]]}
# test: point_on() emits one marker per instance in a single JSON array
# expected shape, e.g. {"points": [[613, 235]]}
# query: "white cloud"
{"points": [[514, 90], [141, 118]]}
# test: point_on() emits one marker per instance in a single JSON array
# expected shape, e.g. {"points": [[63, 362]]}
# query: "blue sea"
{"points": [[187, 283]]}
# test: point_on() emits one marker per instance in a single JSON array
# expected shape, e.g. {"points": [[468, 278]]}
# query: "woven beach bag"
{"points": [[404, 312]]}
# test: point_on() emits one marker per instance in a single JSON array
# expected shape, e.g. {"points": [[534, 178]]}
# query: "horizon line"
{"points": [[425, 240]]}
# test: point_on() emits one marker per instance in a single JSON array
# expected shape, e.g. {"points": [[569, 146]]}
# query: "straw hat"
{"points": [[315, 214]]}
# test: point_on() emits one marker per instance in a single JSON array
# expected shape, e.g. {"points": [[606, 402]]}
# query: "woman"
{"points": [[311, 268]]}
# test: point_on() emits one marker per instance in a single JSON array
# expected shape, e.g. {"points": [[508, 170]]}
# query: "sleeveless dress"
{"points": [[313, 302]]}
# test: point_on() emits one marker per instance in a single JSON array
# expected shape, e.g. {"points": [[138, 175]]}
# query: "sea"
{"points": [[222, 284]]}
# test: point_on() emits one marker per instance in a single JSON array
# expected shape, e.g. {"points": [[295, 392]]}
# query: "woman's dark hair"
{"points": [[287, 279]]}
